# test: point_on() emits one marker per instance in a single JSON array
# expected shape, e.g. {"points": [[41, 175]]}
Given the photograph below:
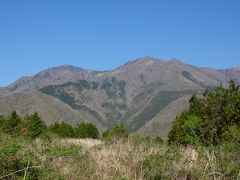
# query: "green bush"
{"points": [[212, 119], [11, 124], [86, 130], [106, 135], [62, 129], [35, 125], [119, 131], [233, 133], [83, 130], [31, 126], [185, 130]]}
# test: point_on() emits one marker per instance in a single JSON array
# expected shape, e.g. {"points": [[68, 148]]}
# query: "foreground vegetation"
{"points": [[203, 144], [132, 158]]}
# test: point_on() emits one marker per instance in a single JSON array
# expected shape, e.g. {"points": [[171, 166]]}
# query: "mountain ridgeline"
{"points": [[146, 94]]}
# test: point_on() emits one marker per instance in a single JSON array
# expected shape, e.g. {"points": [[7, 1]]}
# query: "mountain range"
{"points": [[146, 94]]}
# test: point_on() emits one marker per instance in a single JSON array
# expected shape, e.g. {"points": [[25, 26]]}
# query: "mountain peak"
{"points": [[65, 66], [143, 60], [51, 76], [147, 59], [175, 61]]}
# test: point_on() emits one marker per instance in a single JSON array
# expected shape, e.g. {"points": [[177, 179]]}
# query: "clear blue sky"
{"points": [[103, 34]]}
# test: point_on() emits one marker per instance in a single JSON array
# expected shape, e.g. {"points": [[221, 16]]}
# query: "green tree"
{"points": [[86, 130], [106, 134], [12, 124], [35, 125], [119, 131], [62, 129]]}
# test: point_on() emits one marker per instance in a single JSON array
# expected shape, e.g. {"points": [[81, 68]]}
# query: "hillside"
{"points": [[233, 73], [48, 107], [146, 94], [51, 76]]}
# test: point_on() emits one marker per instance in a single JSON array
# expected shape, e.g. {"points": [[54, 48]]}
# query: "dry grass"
{"points": [[86, 143], [127, 160], [94, 159], [119, 159]]}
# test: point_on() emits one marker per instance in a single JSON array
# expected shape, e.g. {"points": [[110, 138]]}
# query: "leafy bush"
{"points": [[119, 131], [83, 130], [11, 124], [34, 125], [86, 130], [62, 129], [31, 126], [212, 119], [8, 158]]}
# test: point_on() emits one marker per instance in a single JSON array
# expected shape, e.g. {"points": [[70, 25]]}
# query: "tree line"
{"points": [[33, 126]]}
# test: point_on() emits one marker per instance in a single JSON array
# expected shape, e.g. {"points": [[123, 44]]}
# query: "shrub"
{"points": [[86, 130], [211, 119], [106, 135], [117, 132], [62, 129], [35, 125], [233, 133], [12, 124]]}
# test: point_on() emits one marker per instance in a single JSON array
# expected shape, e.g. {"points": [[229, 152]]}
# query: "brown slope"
{"points": [[105, 101], [50, 109], [162, 122], [232, 73]]}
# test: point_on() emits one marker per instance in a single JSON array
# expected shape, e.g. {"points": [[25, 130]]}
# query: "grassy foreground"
{"points": [[134, 158]]}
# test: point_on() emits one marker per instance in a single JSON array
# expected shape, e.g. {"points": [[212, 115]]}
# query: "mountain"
{"points": [[146, 94], [232, 73], [52, 76]]}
